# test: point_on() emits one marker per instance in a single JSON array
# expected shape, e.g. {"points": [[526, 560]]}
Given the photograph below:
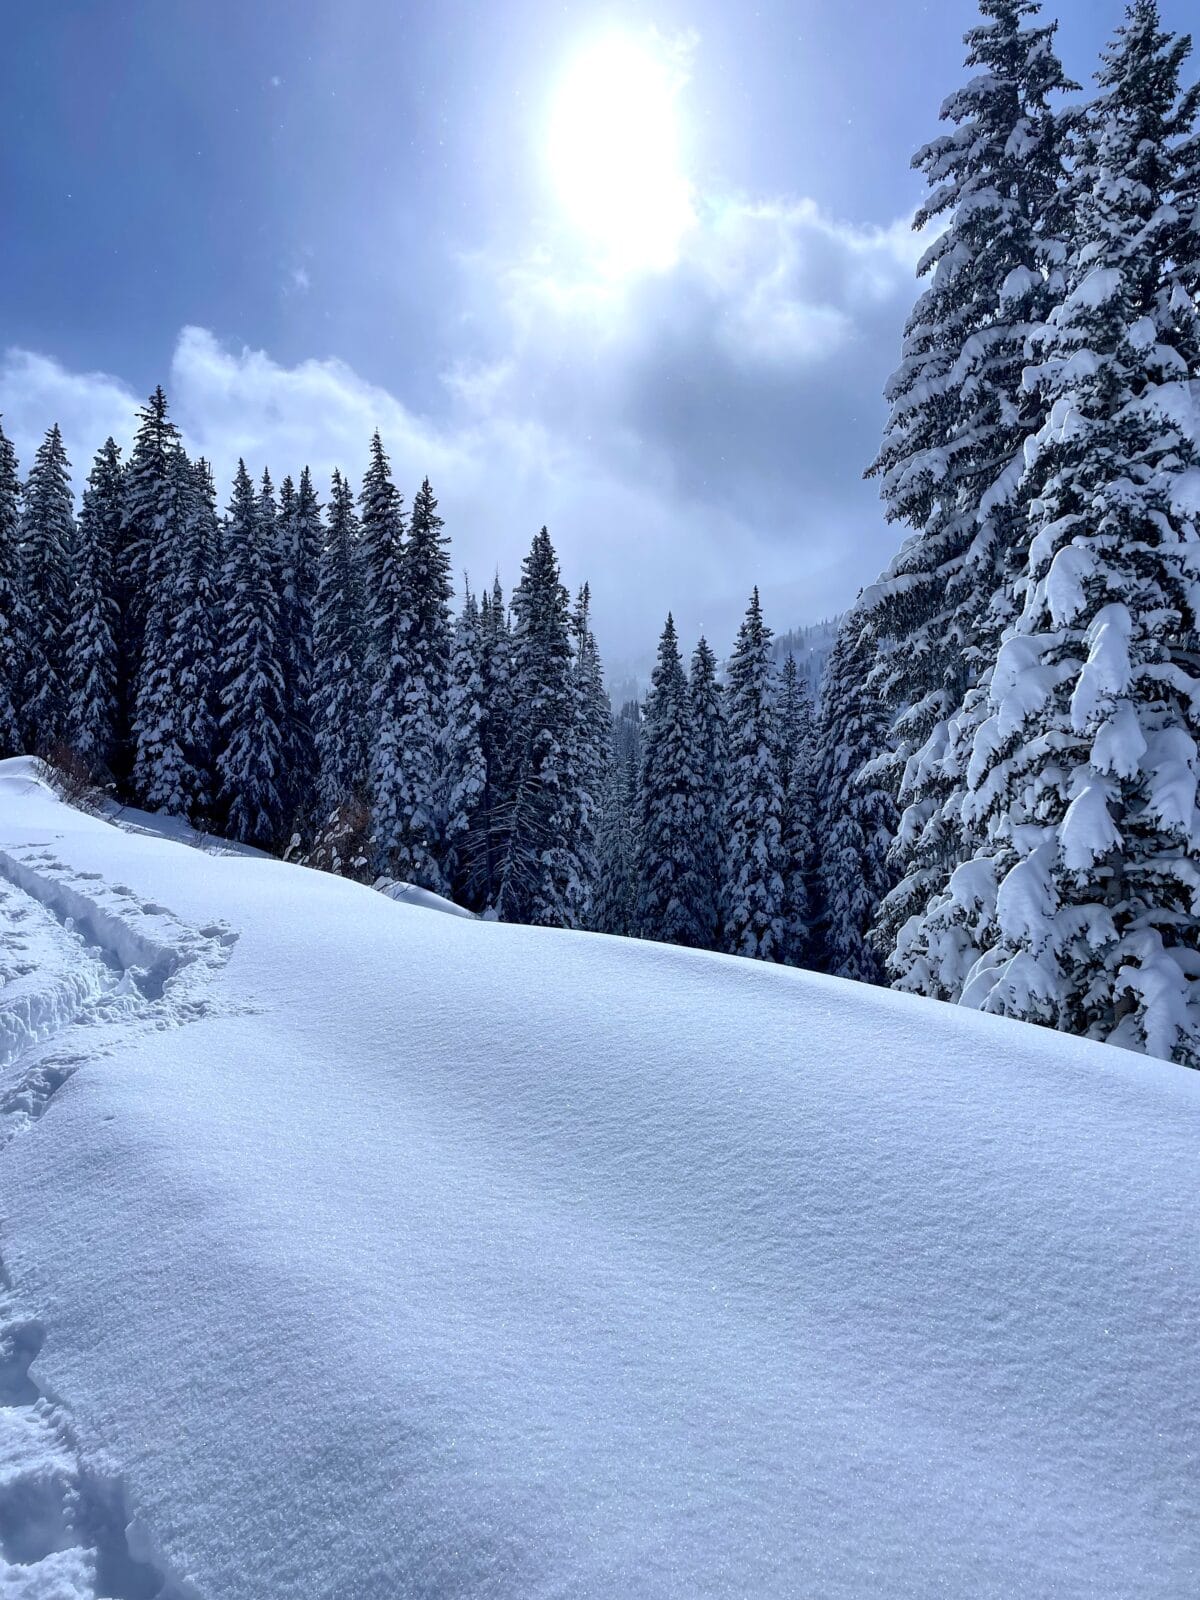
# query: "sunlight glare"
{"points": [[614, 153]]}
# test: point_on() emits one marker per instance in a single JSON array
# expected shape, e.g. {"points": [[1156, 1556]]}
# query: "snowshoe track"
{"points": [[81, 963]]}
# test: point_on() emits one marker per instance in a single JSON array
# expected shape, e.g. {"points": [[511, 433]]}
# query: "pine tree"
{"points": [[856, 811], [1080, 907], [754, 899], [952, 452], [708, 719], [300, 538], [251, 679], [498, 741], [668, 890], [797, 757], [593, 737], [464, 767], [92, 660], [540, 868], [16, 622], [142, 521], [380, 542], [338, 695], [617, 839], [407, 779], [47, 540]]}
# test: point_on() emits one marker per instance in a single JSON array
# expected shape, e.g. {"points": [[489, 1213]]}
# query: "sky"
{"points": [[638, 272]]}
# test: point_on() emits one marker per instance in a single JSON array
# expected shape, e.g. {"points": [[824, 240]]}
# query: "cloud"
{"points": [[685, 434]]}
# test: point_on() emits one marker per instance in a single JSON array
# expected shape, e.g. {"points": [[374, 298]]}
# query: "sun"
{"points": [[614, 153]]}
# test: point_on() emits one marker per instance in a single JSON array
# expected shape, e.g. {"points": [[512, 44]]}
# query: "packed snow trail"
{"points": [[422, 1256]]}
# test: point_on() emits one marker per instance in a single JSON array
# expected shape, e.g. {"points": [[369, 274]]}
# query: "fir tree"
{"points": [[952, 452], [300, 536], [464, 768], [407, 786], [856, 811], [47, 540], [668, 891], [16, 622], [593, 737], [754, 899], [498, 742], [251, 680], [616, 892], [142, 520], [380, 542], [708, 720], [337, 698], [1080, 908], [538, 882], [92, 658], [796, 772]]}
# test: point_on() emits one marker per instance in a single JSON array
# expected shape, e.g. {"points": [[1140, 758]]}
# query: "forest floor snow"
{"points": [[352, 1250]]}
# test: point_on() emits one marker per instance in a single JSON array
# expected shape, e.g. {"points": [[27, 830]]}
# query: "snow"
{"points": [[359, 1250]]}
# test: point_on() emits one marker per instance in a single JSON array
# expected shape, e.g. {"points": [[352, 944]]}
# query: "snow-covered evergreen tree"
{"points": [[615, 909], [796, 772], [593, 738], [338, 696], [668, 889], [142, 521], [380, 543], [16, 623], [952, 452], [498, 739], [300, 539], [540, 872], [92, 659], [754, 898], [174, 711], [1080, 909], [856, 811], [251, 678], [407, 780], [708, 720], [47, 543], [464, 770]]}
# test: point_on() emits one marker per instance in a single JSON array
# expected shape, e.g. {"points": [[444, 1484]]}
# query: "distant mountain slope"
{"points": [[371, 1252]]}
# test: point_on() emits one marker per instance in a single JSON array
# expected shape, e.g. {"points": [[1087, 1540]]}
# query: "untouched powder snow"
{"points": [[353, 1250]]}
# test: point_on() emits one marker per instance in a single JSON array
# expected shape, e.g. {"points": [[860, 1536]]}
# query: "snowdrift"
{"points": [[356, 1250]]}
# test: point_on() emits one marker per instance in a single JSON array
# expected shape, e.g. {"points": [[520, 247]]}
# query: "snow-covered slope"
{"points": [[369, 1252]]}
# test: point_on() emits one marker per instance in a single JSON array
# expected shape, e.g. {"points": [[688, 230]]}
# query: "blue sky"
{"points": [[306, 219]]}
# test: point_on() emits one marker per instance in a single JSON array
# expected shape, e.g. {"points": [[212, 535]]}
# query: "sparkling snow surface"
{"points": [[367, 1252]]}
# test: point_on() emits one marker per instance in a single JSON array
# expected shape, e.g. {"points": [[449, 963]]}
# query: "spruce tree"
{"points": [[855, 809], [16, 621], [951, 458], [796, 771], [251, 679], [407, 780], [668, 889], [92, 659], [498, 742], [1080, 908], [708, 720], [47, 541], [540, 869], [464, 771], [593, 737], [615, 909], [754, 898], [300, 537], [338, 696], [174, 713], [380, 542], [142, 521]]}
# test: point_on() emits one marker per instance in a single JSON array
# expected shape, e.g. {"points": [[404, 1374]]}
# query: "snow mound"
{"points": [[357, 1252]]}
